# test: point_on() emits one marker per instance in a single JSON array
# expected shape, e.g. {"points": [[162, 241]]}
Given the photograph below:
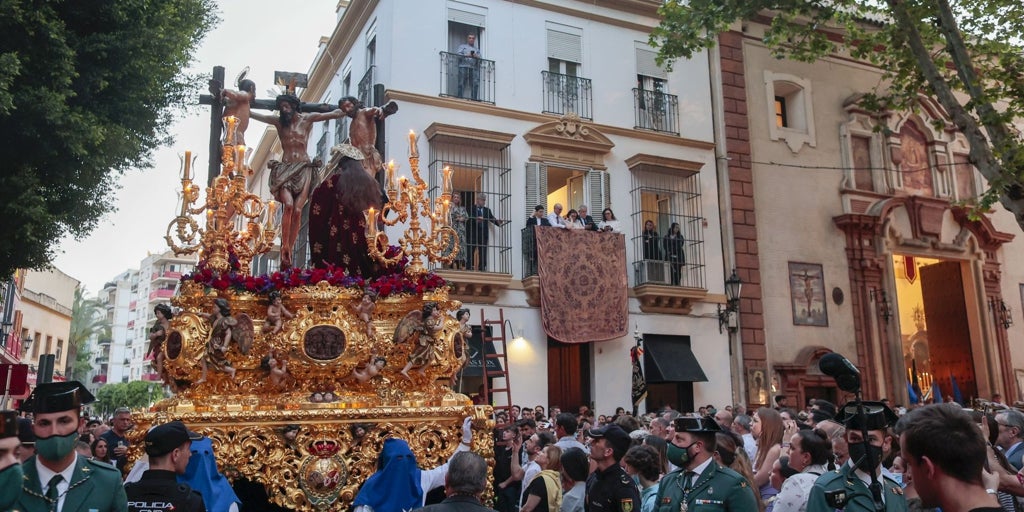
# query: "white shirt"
{"points": [[556, 220], [572, 501], [749, 445], [62, 487], [530, 470], [613, 226]]}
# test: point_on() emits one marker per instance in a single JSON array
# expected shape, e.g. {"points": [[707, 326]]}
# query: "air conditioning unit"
{"points": [[653, 272]]}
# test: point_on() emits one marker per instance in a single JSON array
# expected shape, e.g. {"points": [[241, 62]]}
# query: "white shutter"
{"points": [[536, 186], [598, 188], [565, 46], [465, 17], [647, 66]]}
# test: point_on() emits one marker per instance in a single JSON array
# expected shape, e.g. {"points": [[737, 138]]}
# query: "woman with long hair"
{"points": [[675, 251], [573, 220], [608, 222], [768, 430], [729, 453], [100, 451], [661, 446], [652, 241], [809, 452], [544, 491]]}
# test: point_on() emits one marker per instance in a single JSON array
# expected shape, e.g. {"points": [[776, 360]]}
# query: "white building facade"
{"points": [[566, 106]]}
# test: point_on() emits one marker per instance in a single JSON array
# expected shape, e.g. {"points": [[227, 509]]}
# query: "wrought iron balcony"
{"points": [[467, 78], [365, 87], [656, 111], [567, 93]]}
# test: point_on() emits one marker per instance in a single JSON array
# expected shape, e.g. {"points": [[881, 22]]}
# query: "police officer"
{"points": [[169, 447], [10, 466], [700, 483], [609, 488], [849, 487], [57, 479]]}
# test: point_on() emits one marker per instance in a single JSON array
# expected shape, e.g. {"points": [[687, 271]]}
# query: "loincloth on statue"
{"points": [[371, 162], [294, 177]]}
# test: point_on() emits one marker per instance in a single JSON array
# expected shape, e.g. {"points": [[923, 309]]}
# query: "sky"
{"points": [[254, 33]]}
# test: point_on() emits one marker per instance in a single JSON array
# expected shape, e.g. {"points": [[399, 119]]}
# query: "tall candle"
{"points": [[446, 182], [229, 139], [413, 153], [271, 209], [239, 159], [371, 222], [188, 166], [391, 174]]}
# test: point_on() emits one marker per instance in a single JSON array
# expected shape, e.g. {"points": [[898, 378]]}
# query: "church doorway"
{"points": [[935, 330]]}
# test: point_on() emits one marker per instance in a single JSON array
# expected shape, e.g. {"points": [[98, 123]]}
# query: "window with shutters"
{"points": [[668, 228], [548, 184], [655, 109], [481, 177], [341, 125], [564, 88]]}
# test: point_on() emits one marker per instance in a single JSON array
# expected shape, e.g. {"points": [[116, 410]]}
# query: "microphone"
{"points": [[842, 370]]}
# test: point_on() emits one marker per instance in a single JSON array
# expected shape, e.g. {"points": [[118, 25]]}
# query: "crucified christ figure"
{"points": [[291, 179]]}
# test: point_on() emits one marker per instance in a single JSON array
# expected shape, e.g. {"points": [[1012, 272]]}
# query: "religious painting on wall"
{"points": [[807, 294], [757, 386]]}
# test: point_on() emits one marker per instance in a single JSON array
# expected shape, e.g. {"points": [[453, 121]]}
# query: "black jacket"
{"points": [[159, 490], [457, 504]]}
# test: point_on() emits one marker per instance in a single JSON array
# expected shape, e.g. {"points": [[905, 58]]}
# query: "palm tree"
{"points": [[88, 320]]}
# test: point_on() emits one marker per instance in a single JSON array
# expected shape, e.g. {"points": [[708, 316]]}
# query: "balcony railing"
{"points": [[467, 78], [567, 93], [365, 87], [161, 294], [656, 111]]}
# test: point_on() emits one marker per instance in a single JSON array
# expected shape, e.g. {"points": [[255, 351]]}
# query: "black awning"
{"points": [[475, 355], [671, 360]]}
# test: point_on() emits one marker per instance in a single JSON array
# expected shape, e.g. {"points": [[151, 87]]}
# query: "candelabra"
{"points": [[224, 235], [410, 201]]}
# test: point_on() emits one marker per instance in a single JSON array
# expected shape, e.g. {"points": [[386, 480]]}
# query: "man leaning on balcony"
{"points": [[469, 67]]}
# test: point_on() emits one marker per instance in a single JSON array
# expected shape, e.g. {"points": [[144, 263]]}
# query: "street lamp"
{"points": [[726, 318], [26, 344]]}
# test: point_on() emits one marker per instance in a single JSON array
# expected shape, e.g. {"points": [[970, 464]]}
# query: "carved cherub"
{"points": [[365, 373], [158, 334], [220, 338], [423, 354], [276, 367], [274, 313], [365, 311]]}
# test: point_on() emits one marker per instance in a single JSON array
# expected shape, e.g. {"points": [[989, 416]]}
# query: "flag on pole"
{"points": [[639, 383], [959, 397], [911, 394]]}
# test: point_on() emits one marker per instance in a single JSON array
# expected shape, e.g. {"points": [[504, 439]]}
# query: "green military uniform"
{"points": [[94, 486], [717, 488], [842, 489], [846, 491]]}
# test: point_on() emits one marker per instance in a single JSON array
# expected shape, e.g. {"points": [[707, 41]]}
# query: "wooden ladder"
{"points": [[500, 356]]}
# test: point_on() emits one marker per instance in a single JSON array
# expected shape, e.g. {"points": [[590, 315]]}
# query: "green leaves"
{"points": [[87, 89], [967, 55]]}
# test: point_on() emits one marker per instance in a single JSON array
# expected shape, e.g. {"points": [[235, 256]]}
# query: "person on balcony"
{"points": [[530, 244], [555, 217], [675, 249], [469, 67], [609, 224], [478, 232], [573, 220], [652, 244], [588, 221]]}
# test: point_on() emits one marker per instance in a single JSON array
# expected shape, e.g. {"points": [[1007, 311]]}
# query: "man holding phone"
{"points": [[469, 67]]}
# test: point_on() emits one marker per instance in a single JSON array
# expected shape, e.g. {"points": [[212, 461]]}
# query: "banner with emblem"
{"points": [[639, 383]]}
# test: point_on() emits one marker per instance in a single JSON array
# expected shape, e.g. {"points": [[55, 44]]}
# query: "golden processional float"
{"points": [[299, 395]]}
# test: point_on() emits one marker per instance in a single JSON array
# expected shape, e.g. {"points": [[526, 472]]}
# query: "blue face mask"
{"points": [[898, 477]]}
